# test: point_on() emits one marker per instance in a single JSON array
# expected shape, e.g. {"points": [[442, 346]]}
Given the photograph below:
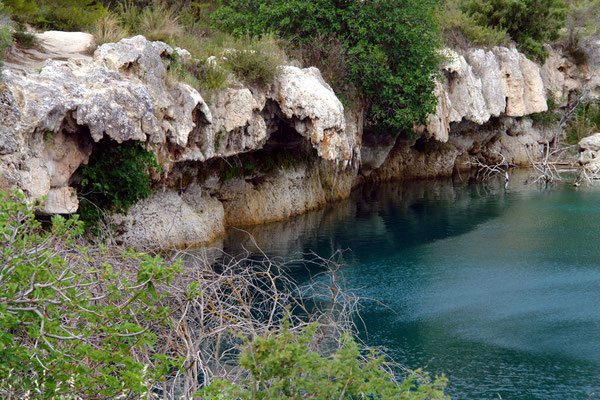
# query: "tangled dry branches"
{"points": [[235, 299]]}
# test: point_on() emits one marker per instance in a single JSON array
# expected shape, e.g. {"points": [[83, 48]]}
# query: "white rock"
{"points": [[317, 114], [166, 220], [122, 92], [589, 152], [61, 201]]}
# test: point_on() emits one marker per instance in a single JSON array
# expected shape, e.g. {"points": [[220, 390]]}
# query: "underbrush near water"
{"points": [[584, 121], [115, 178], [81, 320]]}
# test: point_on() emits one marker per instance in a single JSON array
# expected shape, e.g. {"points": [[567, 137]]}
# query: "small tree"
{"points": [[116, 177]]}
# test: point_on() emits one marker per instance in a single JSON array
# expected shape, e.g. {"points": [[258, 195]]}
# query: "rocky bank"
{"points": [[305, 149]]}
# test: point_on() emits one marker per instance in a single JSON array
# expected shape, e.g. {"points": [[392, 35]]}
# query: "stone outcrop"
{"points": [[55, 111], [244, 118], [589, 152], [52, 45], [52, 116], [486, 83], [166, 219]]}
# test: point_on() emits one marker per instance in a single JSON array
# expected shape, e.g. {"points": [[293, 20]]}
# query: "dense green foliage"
{"points": [[582, 27], [529, 22], [282, 366], [460, 29], [57, 14], [70, 321], [389, 47], [116, 177]]}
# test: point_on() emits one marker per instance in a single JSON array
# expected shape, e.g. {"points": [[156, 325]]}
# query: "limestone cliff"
{"points": [[55, 111]]}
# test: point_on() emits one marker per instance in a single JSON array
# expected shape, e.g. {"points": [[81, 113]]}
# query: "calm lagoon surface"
{"points": [[498, 288]]}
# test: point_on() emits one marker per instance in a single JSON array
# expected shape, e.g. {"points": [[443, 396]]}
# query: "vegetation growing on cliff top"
{"points": [[57, 14], [388, 47], [530, 23]]}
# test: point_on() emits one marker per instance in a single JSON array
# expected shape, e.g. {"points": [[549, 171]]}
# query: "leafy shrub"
{"points": [[548, 118], [329, 55], [67, 15], [281, 366], [460, 29], [116, 177], [25, 39], [74, 322], [390, 47], [21, 7], [582, 26], [254, 61], [6, 36], [529, 22]]}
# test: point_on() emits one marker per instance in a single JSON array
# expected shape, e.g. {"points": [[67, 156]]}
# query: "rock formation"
{"points": [[55, 111]]}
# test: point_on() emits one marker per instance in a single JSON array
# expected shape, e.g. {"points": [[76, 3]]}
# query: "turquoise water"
{"points": [[499, 289]]}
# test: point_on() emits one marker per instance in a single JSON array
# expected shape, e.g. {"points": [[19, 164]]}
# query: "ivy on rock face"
{"points": [[116, 177], [389, 45]]}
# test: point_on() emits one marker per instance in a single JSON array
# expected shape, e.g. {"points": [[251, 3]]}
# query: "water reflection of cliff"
{"points": [[380, 218]]}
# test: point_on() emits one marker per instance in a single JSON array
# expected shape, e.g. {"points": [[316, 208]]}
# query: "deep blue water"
{"points": [[499, 289]]}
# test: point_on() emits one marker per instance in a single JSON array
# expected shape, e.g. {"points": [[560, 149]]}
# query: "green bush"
{"points": [[460, 29], [582, 27], [67, 15], [329, 55], [529, 22], [74, 322], [6, 41], [282, 366], [548, 118], [390, 47], [254, 61], [116, 177], [21, 7]]}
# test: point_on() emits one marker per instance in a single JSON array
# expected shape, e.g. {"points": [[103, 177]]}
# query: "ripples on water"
{"points": [[498, 289]]}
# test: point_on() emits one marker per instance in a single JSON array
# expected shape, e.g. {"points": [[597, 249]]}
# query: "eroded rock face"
{"points": [[286, 193], [306, 99], [165, 219], [483, 84], [123, 93], [54, 116]]}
